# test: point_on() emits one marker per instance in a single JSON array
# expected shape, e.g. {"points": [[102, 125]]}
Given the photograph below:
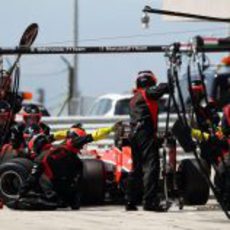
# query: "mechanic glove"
{"points": [[16, 137], [32, 180], [102, 133], [50, 138], [117, 125], [165, 87]]}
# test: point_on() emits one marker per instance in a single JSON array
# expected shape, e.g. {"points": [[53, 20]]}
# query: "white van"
{"points": [[118, 104]]}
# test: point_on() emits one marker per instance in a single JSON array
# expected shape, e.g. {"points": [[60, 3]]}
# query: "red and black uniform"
{"points": [[32, 125], [218, 152], [206, 114], [222, 179], [207, 117], [14, 100], [6, 122], [61, 165], [32, 116], [143, 140], [16, 141]]}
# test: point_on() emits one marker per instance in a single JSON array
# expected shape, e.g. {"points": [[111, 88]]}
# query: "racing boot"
{"points": [[154, 208], [75, 204], [130, 207]]}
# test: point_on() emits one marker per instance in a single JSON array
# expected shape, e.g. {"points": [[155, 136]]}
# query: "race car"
{"points": [[105, 175]]}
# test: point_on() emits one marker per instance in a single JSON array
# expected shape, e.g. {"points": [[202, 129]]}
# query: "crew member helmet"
{"points": [[31, 114], [145, 79]]}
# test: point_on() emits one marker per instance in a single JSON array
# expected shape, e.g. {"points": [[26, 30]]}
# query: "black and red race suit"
{"points": [[61, 168], [222, 177], [16, 138], [144, 145]]}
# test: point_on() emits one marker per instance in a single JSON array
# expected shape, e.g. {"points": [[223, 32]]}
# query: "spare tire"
{"points": [[12, 174], [192, 184], [93, 184]]}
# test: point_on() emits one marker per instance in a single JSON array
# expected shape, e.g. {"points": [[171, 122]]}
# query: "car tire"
{"points": [[12, 174], [191, 182], [93, 184]]}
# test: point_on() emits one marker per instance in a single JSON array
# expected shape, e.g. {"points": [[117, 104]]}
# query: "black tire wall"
{"points": [[194, 187]]}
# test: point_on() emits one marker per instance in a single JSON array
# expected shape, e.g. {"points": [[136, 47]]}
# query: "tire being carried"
{"points": [[93, 184], [12, 174], [191, 182]]}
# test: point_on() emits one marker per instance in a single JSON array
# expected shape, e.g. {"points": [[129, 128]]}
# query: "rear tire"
{"points": [[192, 184], [12, 174], [93, 184]]}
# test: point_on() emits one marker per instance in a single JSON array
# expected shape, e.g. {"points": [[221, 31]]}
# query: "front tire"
{"points": [[93, 184]]}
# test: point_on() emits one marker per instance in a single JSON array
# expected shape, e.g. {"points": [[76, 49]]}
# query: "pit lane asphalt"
{"points": [[111, 217]]}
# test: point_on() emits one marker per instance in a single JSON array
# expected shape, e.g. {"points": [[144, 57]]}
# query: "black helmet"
{"points": [[5, 112], [75, 132], [31, 114], [145, 79]]}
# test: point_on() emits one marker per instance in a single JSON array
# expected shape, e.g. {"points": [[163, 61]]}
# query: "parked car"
{"points": [[118, 104]]}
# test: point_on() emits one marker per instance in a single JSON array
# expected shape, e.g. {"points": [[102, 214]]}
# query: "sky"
{"points": [[101, 22]]}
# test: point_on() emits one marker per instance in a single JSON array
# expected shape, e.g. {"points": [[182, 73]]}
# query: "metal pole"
{"points": [[41, 95], [70, 82], [74, 100], [148, 9]]}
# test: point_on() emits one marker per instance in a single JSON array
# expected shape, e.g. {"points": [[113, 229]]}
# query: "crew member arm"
{"points": [[94, 136], [59, 135], [197, 134], [155, 92]]}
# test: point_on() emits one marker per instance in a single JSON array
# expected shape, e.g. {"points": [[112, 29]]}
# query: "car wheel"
{"points": [[93, 187], [192, 184]]}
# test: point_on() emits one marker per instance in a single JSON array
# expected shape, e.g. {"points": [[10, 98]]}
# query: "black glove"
{"points": [[32, 180], [16, 136], [51, 138], [166, 88]]}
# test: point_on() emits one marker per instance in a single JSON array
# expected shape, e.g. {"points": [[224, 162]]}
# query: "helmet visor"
{"points": [[32, 119]]}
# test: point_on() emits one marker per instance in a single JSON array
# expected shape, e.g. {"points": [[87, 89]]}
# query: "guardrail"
{"points": [[92, 123]]}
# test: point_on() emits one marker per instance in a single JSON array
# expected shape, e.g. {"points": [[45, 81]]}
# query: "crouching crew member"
{"points": [[144, 144], [219, 154], [32, 116], [58, 170]]}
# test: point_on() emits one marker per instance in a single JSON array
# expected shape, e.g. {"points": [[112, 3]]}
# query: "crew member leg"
{"points": [[134, 183]]}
